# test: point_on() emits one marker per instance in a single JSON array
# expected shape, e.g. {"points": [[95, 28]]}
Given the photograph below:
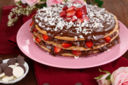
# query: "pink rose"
{"points": [[120, 76], [30, 2], [52, 2], [103, 80], [77, 1]]}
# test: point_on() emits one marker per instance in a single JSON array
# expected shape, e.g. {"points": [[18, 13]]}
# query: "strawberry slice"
{"points": [[65, 8], [66, 45], [31, 23], [57, 50], [63, 14], [84, 10], [71, 13], [37, 40], [79, 13], [89, 44], [77, 53], [45, 37], [107, 39], [72, 8]]}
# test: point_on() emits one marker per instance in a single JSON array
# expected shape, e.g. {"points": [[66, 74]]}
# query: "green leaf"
{"points": [[65, 0], [43, 0], [104, 71], [41, 5], [98, 77], [108, 77], [99, 2]]}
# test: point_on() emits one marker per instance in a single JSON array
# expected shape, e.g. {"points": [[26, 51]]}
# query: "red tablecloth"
{"points": [[46, 75], [55, 76], [8, 34]]}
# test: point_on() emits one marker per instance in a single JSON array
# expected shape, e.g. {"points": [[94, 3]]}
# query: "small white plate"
{"points": [[18, 79]]}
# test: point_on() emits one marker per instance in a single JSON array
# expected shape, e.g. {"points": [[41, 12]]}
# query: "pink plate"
{"points": [[27, 46]]}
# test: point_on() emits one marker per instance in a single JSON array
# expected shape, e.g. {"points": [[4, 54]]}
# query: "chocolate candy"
{"points": [[20, 60], [3, 65], [11, 61], [8, 71], [20, 57]]}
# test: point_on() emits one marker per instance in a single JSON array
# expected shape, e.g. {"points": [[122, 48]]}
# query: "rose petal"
{"points": [[77, 1], [53, 2], [125, 83], [120, 70], [119, 76], [30, 2], [23, 1]]}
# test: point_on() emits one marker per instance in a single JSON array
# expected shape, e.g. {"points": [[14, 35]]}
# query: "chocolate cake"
{"points": [[71, 29]]}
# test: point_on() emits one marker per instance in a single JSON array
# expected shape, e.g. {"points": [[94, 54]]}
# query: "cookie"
{"points": [[7, 78], [18, 72], [8, 71], [22, 66]]}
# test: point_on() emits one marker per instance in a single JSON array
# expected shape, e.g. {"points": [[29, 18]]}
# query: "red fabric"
{"points": [[7, 47], [56, 76], [8, 34]]}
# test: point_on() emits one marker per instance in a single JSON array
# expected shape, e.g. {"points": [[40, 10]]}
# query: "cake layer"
{"points": [[100, 39], [76, 47], [50, 48]]}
